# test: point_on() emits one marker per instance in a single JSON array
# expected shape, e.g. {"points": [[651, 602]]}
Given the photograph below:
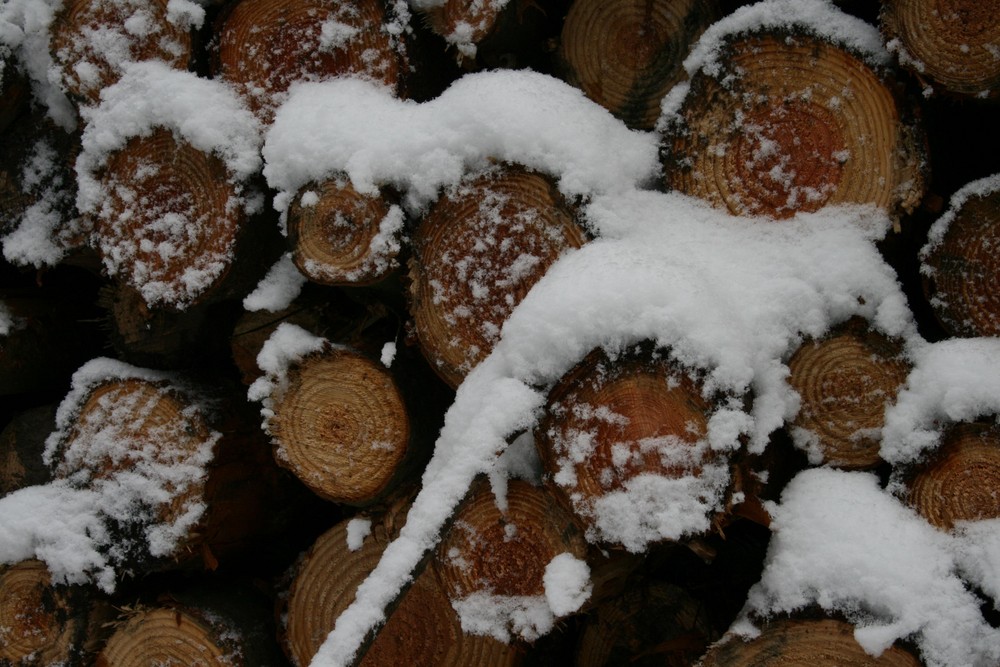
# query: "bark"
{"points": [[637, 415], [627, 54], [477, 252], [44, 624], [213, 624], [822, 642], [964, 284], [505, 552], [266, 45], [83, 29], [216, 253], [652, 623], [799, 124], [344, 237], [422, 631], [22, 442], [958, 482], [953, 46], [846, 380]]}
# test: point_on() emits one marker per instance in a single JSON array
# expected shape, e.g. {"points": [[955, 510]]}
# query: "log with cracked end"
{"points": [[846, 380], [792, 123], [477, 252], [42, 623]]}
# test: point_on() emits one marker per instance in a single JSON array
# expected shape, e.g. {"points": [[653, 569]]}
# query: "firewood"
{"points": [[45, 624], [962, 270], [22, 443], [626, 54], [178, 247], [214, 624], [340, 236], [846, 380], [478, 251], [422, 631], [504, 553], [92, 40], [342, 426], [265, 45], [610, 421], [165, 430], [823, 642], [650, 623], [955, 46], [799, 124], [958, 481]]}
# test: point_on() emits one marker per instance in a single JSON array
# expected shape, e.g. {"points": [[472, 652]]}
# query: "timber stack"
{"points": [[237, 471]]}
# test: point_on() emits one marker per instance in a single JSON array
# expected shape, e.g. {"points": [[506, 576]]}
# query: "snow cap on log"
{"points": [[363, 130], [185, 148], [789, 108], [960, 262], [844, 544]]}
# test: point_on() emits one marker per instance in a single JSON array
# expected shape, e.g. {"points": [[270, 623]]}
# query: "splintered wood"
{"points": [[792, 124]]}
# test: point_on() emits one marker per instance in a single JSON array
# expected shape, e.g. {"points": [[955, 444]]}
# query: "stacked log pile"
{"points": [[397, 311]]}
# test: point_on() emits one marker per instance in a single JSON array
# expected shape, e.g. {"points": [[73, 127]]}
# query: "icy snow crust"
{"points": [[67, 523]]}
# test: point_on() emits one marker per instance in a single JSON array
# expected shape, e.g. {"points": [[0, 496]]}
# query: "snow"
{"points": [[278, 289], [24, 30], [68, 523], [360, 128], [567, 584], [388, 354], [844, 544], [8, 322], [953, 380], [287, 345], [358, 529]]}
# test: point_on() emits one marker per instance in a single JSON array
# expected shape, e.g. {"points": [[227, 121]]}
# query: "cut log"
{"points": [[22, 443], [611, 423], [423, 631], [44, 624], [93, 40], [959, 480], [477, 253], [14, 89], [846, 380], [172, 226], [653, 623], [196, 479], [342, 427], [792, 123], [962, 267], [266, 45], [626, 54], [342, 237], [214, 625], [953, 45], [823, 643], [499, 557]]}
